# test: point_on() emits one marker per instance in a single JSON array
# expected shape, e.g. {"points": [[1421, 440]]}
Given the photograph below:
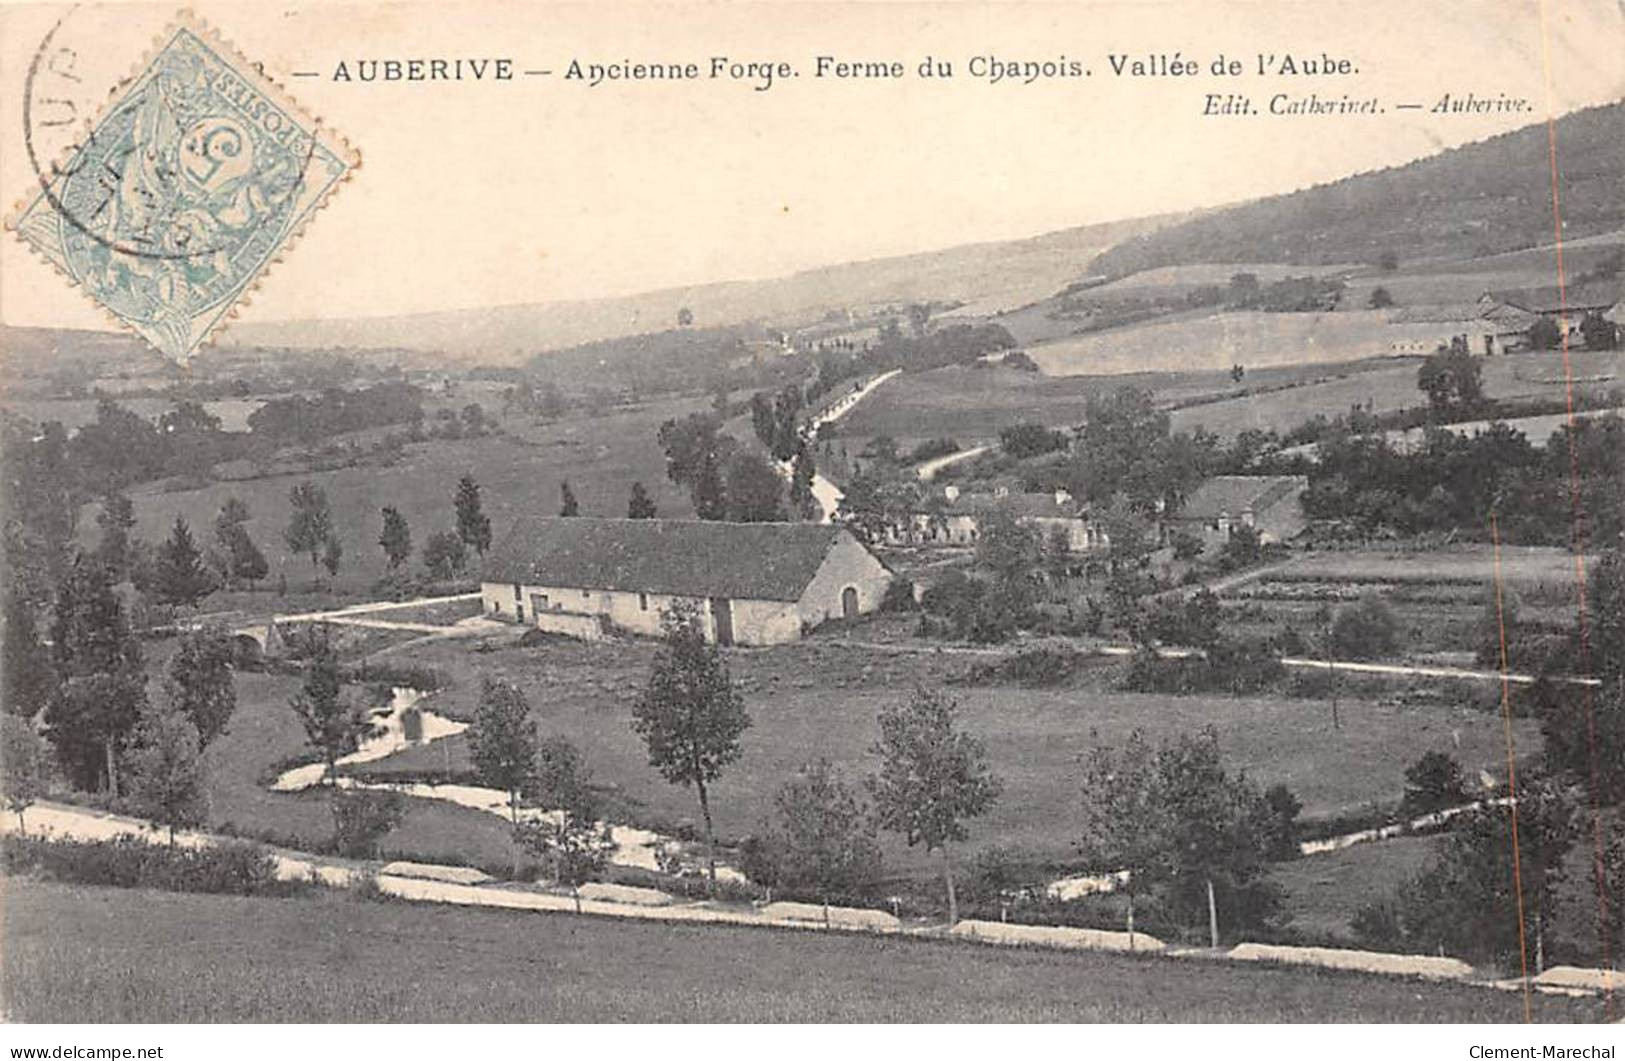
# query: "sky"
{"points": [[541, 189]]}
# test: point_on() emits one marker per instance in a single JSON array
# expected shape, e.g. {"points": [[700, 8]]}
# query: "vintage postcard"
{"points": [[813, 512]]}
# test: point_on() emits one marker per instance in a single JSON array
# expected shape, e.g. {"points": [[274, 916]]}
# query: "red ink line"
{"points": [[1577, 522], [1512, 773]]}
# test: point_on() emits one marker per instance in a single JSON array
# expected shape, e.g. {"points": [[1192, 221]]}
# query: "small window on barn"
{"points": [[586, 594], [643, 602], [516, 591]]}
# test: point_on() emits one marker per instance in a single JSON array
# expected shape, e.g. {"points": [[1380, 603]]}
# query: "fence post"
{"points": [[1212, 915]]}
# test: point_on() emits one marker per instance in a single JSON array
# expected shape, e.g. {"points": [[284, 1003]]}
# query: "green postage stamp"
{"points": [[197, 176]]}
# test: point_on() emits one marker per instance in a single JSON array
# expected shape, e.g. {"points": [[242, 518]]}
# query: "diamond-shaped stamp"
{"points": [[194, 180]]}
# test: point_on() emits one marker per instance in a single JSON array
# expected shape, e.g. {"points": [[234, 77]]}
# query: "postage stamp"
{"points": [[195, 179]]}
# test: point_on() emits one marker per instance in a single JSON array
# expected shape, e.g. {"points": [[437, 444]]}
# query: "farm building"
{"points": [[954, 518], [1420, 330], [752, 583], [1269, 504], [1567, 306]]}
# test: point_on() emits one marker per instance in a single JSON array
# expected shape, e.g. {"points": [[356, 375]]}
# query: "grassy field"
{"points": [[972, 404], [1386, 385], [1522, 566], [264, 731], [86, 955], [1218, 341], [821, 699], [519, 473], [1325, 891]]}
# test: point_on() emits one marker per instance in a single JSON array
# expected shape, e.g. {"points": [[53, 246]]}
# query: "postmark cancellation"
{"points": [[197, 176]]}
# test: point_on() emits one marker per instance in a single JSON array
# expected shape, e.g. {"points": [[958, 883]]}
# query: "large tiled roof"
{"points": [[1235, 494], [690, 558], [1597, 294]]}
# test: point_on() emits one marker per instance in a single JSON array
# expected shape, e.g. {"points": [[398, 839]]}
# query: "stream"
{"points": [[634, 847]]}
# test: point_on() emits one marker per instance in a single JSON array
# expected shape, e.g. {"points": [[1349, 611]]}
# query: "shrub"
{"points": [[1432, 783], [418, 676], [1366, 629], [932, 448], [899, 596], [362, 818], [1033, 668], [230, 868], [1281, 824]]}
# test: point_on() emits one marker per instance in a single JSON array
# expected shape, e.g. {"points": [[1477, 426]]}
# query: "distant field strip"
{"points": [[1219, 341]]}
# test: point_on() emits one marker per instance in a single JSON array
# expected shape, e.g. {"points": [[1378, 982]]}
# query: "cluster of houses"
{"points": [[1499, 322], [770, 583]]}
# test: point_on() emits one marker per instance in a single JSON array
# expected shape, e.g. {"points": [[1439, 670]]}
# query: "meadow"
{"points": [[974, 404], [520, 472], [821, 698], [84, 955], [1218, 341], [265, 734]]}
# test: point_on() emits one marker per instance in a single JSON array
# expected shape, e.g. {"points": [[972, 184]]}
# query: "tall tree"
{"points": [[22, 756], [709, 496], [332, 555], [243, 559], [1216, 838], [502, 741], [1481, 900], [180, 575], [444, 555], [1122, 826], [933, 778], [1014, 553], [26, 678], [166, 769], [200, 685], [690, 716], [570, 835], [310, 524], [116, 548], [802, 473], [822, 838], [396, 537], [473, 525], [568, 505], [334, 726], [755, 491], [101, 686], [640, 505]]}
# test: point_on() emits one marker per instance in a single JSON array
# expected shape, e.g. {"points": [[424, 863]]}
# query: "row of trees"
{"points": [[86, 692], [725, 481]]}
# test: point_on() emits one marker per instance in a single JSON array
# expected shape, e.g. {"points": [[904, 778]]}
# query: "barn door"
{"points": [[849, 602], [723, 613]]}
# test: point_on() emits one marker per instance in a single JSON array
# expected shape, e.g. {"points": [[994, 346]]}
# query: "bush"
{"points": [[418, 676], [1432, 783], [932, 448], [230, 868], [899, 596], [362, 818], [1366, 629], [1032, 668], [1281, 825]]}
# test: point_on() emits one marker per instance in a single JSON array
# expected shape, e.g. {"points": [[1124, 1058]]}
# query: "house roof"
{"points": [[1023, 505], [1235, 494], [689, 558], [1599, 294], [1445, 313]]}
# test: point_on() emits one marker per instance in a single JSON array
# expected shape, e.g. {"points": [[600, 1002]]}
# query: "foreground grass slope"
{"points": [[85, 955]]}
